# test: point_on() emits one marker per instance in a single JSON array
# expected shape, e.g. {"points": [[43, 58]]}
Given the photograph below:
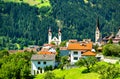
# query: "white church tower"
{"points": [[59, 36], [54, 39], [49, 36], [97, 32]]}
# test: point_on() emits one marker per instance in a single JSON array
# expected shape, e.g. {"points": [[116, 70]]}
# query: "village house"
{"points": [[115, 38], [31, 48], [101, 41], [64, 51], [44, 58], [47, 49], [77, 49], [39, 62]]}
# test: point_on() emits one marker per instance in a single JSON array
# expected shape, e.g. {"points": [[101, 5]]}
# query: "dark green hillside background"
{"points": [[22, 24]]}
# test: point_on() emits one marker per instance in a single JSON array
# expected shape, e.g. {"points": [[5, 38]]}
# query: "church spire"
{"points": [[97, 33], [49, 35], [97, 23], [59, 31], [49, 30]]}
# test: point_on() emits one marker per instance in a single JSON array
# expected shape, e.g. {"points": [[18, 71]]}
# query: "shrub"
{"points": [[49, 75], [107, 71]]}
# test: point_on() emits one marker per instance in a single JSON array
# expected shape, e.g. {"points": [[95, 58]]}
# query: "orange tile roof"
{"points": [[89, 53], [80, 46], [45, 52]]}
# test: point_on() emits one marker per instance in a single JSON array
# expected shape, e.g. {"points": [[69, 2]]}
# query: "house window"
{"points": [[75, 53], [75, 58], [81, 52], [44, 62], [117, 36], [38, 62], [38, 68]]}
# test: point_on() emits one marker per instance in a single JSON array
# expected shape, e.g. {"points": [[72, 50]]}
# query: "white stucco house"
{"points": [[77, 49], [39, 62]]}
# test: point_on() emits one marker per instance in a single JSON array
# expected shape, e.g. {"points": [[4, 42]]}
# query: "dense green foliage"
{"points": [[64, 62], [14, 43], [63, 43], [107, 70], [15, 66], [29, 23], [111, 50], [49, 75], [87, 62]]}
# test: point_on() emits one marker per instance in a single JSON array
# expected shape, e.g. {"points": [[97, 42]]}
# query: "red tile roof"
{"points": [[89, 53]]}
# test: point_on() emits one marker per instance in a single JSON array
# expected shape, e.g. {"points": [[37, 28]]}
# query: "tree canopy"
{"points": [[24, 24], [111, 50], [15, 66]]}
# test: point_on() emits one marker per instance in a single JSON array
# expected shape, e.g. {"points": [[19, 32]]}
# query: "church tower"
{"points": [[59, 35], [97, 32], [49, 36]]}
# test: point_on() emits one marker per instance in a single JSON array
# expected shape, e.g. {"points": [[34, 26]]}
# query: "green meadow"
{"points": [[73, 73]]}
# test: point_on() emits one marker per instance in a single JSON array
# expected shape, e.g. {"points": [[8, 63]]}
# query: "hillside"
{"points": [[74, 73], [27, 21], [37, 3]]}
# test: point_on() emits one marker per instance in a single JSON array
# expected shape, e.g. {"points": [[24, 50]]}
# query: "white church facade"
{"points": [[56, 40]]}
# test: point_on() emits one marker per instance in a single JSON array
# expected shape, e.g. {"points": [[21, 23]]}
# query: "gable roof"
{"points": [[80, 46], [89, 53], [43, 57], [52, 50], [63, 48], [55, 39], [15, 51]]}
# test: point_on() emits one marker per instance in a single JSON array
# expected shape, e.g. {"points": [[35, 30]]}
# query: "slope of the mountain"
{"points": [[76, 18], [37, 3]]}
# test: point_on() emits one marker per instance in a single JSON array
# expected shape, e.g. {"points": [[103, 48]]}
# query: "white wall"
{"points": [[35, 65], [59, 37], [72, 55], [49, 38]]}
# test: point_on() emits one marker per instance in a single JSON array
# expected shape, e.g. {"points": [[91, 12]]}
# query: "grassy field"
{"points": [[74, 73], [37, 3]]}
